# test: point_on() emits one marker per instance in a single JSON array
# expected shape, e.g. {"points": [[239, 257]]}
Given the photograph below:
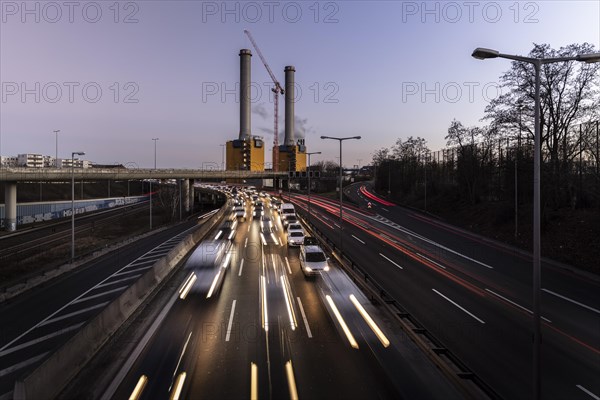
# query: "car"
{"points": [[266, 224], [276, 204], [209, 254], [240, 212], [295, 227], [258, 211], [313, 260], [227, 230], [285, 210], [295, 238], [290, 219], [310, 241]]}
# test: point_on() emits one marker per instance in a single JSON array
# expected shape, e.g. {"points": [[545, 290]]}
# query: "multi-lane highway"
{"points": [[475, 295], [268, 332]]}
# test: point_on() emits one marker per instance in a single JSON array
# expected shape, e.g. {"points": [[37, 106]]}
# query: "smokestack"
{"points": [[290, 94], [245, 82]]}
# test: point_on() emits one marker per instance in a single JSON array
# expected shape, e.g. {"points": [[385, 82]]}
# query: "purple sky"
{"points": [[361, 67]]}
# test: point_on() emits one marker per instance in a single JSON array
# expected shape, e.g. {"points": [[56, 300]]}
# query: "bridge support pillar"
{"points": [[185, 189], [10, 206], [191, 195]]}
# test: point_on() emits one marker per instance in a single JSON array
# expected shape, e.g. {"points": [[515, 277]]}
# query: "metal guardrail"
{"points": [[470, 385]]}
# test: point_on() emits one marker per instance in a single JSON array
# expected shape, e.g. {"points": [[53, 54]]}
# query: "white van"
{"points": [[285, 210]]}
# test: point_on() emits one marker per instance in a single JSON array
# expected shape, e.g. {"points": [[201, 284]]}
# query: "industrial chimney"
{"points": [[245, 94], [290, 94]]}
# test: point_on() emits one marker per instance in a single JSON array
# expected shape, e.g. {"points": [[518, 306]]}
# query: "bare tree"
{"points": [[569, 95]]}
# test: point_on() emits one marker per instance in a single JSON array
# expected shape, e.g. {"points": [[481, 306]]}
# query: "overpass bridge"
{"points": [[12, 176]]}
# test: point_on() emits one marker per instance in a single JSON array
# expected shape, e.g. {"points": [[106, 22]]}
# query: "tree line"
{"points": [[494, 162]]}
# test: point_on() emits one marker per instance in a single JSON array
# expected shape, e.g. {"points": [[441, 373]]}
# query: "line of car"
{"points": [[313, 259]]}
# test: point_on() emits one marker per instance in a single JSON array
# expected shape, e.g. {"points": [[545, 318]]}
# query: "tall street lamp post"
{"points": [[223, 157], [155, 140], [309, 173], [56, 154], [341, 173], [482, 54], [73, 154]]}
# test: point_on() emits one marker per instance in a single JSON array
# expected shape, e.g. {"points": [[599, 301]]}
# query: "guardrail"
{"points": [[52, 376], [470, 385]]}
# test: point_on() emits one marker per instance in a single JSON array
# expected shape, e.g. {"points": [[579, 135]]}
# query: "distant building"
{"points": [[30, 160], [9, 161], [75, 163]]}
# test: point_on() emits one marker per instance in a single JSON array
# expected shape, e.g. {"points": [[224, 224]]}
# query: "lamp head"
{"points": [[482, 53], [589, 58]]}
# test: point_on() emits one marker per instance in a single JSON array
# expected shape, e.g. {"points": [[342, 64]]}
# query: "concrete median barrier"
{"points": [[50, 377]]}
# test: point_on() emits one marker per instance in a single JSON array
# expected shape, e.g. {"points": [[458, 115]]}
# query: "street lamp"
{"points": [[155, 140], [56, 155], [309, 154], [73, 154], [482, 54], [223, 157], [341, 172]]}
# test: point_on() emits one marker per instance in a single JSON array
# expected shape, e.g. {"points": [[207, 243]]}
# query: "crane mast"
{"points": [[277, 90]]}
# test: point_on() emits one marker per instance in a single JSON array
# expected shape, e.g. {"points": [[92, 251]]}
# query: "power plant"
{"points": [[247, 152]]}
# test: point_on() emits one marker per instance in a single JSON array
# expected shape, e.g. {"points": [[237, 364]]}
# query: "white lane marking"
{"points": [[99, 294], [73, 314], [230, 321], [304, 318], [133, 270], [78, 297], [592, 395], [514, 304], [385, 209], [241, 266], [287, 263], [21, 364], [119, 281], [336, 224], [249, 225], [40, 339], [462, 308], [409, 232], [572, 301], [390, 261], [246, 243], [137, 264], [358, 239], [150, 256], [430, 260]]}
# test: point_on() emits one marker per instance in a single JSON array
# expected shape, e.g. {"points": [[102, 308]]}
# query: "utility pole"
{"points": [[56, 153], [155, 140]]}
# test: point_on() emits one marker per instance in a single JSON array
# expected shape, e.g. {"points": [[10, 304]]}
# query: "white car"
{"points": [[313, 260], [295, 238], [295, 227]]}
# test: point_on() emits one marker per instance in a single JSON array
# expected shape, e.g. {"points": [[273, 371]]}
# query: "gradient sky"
{"points": [[355, 64]]}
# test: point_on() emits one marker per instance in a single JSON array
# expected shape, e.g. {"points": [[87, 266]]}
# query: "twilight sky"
{"points": [[112, 76]]}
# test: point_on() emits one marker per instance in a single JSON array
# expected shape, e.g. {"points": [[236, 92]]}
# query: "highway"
{"points": [[474, 295], [268, 332], [44, 318]]}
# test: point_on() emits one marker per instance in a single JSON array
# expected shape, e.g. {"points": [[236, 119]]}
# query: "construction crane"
{"points": [[277, 90]]}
